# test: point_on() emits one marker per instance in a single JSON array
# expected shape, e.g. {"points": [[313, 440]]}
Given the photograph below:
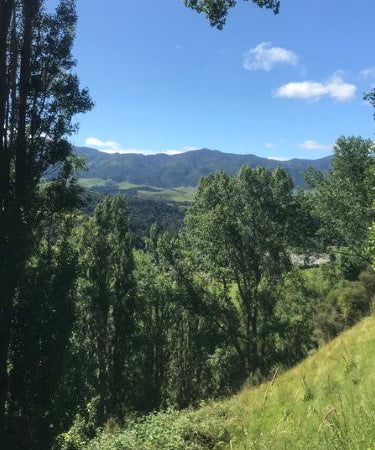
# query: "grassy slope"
{"points": [[325, 402]]}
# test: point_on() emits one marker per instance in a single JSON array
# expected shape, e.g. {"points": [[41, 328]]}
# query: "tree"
{"points": [[370, 97], [216, 10], [41, 327], [182, 352], [106, 307], [344, 201], [239, 229], [39, 96], [372, 244]]}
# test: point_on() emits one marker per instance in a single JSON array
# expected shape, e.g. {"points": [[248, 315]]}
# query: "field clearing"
{"points": [[180, 194]]}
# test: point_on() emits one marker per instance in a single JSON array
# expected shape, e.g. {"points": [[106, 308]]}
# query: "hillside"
{"points": [[325, 402], [184, 169]]}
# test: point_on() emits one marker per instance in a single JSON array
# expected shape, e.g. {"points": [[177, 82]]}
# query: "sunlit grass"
{"points": [[90, 183], [327, 401], [179, 194]]}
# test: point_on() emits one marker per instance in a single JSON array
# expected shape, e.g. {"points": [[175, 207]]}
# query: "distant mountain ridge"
{"points": [[184, 169]]}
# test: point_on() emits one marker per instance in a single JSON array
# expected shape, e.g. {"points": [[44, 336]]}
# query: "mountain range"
{"points": [[184, 169]]}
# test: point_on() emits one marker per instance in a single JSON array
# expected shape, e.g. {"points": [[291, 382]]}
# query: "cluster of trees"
{"points": [[102, 330], [143, 213], [39, 97], [91, 329]]}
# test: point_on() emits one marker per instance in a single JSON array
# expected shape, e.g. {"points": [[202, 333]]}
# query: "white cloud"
{"points": [[115, 147], [264, 57], [335, 88], [313, 145], [368, 73], [97, 143], [268, 145], [279, 158]]}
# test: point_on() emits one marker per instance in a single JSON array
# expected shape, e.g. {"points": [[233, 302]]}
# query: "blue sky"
{"points": [[277, 86]]}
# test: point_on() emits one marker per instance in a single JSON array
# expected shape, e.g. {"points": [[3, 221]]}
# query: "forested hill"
{"points": [[184, 169]]}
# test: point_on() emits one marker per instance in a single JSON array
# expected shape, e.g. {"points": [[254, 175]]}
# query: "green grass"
{"points": [[123, 185], [179, 194], [325, 402], [90, 183]]}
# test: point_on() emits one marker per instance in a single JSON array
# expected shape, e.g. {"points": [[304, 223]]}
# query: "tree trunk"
{"points": [[6, 7], [6, 285], [14, 233], [30, 8], [254, 337]]}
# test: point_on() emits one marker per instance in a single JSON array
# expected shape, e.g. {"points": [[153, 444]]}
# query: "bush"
{"points": [[345, 305], [169, 430]]}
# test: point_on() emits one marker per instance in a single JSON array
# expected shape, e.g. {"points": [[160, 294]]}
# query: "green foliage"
{"points": [[41, 328], [327, 401], [190, 317], [344, 305], [371, 246], [344, 202], [106, 306], [180, 346], [370, 97], [295, 311], [239, 229], [169, 430], [40, 95], [217, 10], [143, 214]]}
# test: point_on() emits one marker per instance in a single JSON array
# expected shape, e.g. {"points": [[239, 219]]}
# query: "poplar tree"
{"points": [[39, 96], [240, 230], [106, 307]]}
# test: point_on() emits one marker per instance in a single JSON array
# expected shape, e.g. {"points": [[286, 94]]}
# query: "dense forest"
{"points": [[97, 324]]}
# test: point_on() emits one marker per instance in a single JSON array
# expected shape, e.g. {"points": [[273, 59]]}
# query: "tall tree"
{"points": [[344, 200], [41, 326], [105, 327], [178, 342], [39, 95], [240, 229]]}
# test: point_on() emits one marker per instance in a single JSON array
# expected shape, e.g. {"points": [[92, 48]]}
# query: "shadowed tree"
{"points": [[39, 95], [106, 306]]}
